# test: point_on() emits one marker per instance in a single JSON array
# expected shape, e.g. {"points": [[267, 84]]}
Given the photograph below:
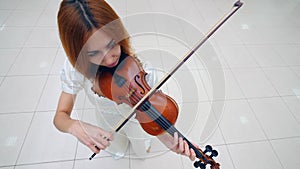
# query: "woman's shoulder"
{"points": [[72, 80]]}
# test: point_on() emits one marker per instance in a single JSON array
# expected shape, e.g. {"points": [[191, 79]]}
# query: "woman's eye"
{"points": [[93, 53]]}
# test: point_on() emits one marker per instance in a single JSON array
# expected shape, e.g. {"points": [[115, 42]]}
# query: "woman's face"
{"points": [[103, 50]]}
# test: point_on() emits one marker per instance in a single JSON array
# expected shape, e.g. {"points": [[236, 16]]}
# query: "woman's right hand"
{"points": [[92, 136]]}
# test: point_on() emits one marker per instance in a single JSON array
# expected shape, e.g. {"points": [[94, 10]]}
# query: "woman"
{"points": [[93, 37]]}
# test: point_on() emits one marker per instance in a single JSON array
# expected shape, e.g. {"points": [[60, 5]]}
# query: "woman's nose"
{"points": [[108, 58]]}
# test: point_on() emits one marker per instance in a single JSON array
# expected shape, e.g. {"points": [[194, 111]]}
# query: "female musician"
{"points": [[92, 35]]}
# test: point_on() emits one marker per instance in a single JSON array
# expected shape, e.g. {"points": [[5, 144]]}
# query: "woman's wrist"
{"points": [[73, 126]]}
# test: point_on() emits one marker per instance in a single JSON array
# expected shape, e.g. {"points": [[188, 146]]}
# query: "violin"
{"points": [[155, 111], [126, 83]]}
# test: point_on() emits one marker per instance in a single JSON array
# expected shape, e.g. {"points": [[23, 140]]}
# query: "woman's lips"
{"points": [[113, 64]]}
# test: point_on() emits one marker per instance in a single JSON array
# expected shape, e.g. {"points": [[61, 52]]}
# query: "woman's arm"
{"points": [[89, 135], [62, 119]]}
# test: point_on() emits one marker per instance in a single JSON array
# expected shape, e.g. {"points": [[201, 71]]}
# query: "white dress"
{"points": [[108, 113]]}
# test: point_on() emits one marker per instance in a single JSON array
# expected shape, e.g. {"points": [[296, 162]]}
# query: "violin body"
{"points": [[127, 84]]}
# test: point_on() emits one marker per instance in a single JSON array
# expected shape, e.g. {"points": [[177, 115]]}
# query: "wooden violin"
{"points": [[126, 83], [155, 111]]}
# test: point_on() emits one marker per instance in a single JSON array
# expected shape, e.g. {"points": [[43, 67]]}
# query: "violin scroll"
{"points": [[207, 158]]}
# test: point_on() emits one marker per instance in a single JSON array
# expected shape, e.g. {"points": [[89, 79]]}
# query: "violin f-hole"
{"points": [[137, 79]]}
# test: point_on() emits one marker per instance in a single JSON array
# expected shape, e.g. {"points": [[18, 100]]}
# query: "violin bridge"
{"points": [[130, 93]]}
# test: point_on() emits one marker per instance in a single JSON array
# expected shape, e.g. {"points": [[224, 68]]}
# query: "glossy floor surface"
{"points": [[240, 92]]}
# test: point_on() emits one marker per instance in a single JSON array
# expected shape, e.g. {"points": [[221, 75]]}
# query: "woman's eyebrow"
{"points": [[111, 42]]}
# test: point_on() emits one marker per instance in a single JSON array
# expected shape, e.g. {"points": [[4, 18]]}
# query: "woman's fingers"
{"points": [[104, 140], [186, 149], [94, 148], [180, 146], [192, 155], [96, 138]]}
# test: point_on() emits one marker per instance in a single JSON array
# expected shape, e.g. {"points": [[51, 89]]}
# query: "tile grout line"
{"points": [[35, 109], [247, 100], [255, 115]]}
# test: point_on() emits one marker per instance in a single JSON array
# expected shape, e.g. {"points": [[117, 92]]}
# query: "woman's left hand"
{"points": [[180, 146]]}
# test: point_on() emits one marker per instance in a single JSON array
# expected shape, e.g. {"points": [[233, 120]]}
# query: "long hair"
{"points": [[76, 21]]}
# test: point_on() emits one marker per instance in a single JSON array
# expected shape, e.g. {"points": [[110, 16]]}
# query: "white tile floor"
{"points": [[257, 52]]}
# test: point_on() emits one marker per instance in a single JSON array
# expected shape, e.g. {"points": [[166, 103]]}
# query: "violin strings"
{"points": [[165, 124], [154, 115], [160, 120], [157, 117]]}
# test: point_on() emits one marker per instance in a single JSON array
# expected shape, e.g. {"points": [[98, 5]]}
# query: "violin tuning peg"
{"points": [[196, 164], [208, 148], [214, 153], [202, 166], [199, 164]]}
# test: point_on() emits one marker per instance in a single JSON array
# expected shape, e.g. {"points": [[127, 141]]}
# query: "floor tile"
{"points": [[50, 95], [28, 4], [284, 80], [136, 7], [14, 37], [46, 18], [3, 15], [262, 156], [283, 36], [289, 53], [163, 161], [58, 165], [58, 62], [1, 80], [227, 36], [287, 150], [7, 167], [43, 37], [238, 56], [21, 93], [296, 69], [197, 115], [239, 124], [43, 60], [254, 83], [11, 5], [105, 163], [12, 136], [225, 85], [7, 57], [248, 33], [39, 148], [293, 104], [23, 18], [187, 86], [275, 109], [265, 56]]}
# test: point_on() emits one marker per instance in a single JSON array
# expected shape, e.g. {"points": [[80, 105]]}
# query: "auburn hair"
{"points": [[77, 19]]}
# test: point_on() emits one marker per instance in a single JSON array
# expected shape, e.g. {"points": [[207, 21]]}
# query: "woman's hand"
{"points": [[181, 147], [93, 137], [178, 145]]}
